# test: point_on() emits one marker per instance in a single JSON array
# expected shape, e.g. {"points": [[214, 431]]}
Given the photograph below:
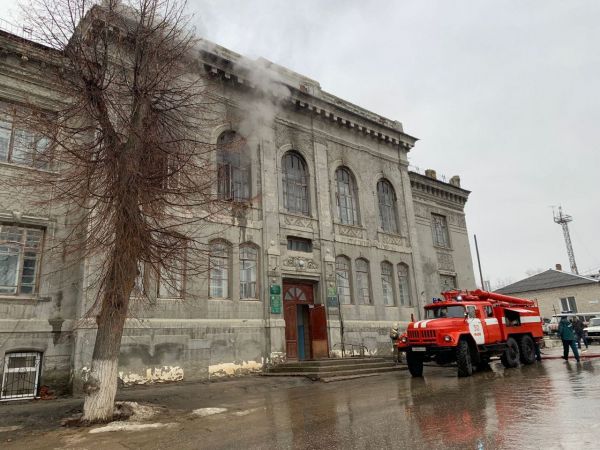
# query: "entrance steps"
{"points": [[334, 369]]}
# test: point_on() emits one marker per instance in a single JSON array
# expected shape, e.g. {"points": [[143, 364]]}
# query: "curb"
{"points": [[581, 355]]}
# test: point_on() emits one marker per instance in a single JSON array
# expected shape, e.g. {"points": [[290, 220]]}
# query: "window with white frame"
{"points": [[233, 165], [387, 206], [439, 227], [387, 283], [295, 183], [20, 255], [447, 282], [219, 269], [342, 280], [568, 304], [346, 196], [404, 285], [18, 144], [363, 281], [248, 272], [171, 279], [21, 375]]}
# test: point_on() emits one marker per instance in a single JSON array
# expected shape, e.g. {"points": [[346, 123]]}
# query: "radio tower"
{"points": [[563, 220]]}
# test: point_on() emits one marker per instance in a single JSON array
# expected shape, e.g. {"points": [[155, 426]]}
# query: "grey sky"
{"points": [[505, 94]]}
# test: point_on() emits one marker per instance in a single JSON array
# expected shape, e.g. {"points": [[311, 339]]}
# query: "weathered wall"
{"points": [[41, 321]]}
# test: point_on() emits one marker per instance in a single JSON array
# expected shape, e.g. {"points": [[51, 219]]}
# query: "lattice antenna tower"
{"points": [[563, 220]]}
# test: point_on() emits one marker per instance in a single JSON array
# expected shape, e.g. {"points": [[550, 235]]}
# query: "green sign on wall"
{"points": [[275, 304], [275, 289]]}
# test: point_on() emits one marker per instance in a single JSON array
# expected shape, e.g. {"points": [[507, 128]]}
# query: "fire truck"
{"points": [[471, 327]]}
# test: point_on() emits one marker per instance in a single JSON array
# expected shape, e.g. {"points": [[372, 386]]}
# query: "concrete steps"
{"points": [[334, 369]]}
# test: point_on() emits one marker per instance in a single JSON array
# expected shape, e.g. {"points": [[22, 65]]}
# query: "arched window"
{"points": [[363, 282], [219, 269], [233, 178], [403, 285], [347, 196], [248, 271], [387, 206], [387, 283], [295, 183], [342, 280]]}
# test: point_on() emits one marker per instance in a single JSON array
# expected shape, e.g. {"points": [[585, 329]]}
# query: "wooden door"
{"points": [[294, 294], [318, 332]]}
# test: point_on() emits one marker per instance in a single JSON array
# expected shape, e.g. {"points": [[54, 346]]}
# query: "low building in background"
{"points": [[557, 291]]}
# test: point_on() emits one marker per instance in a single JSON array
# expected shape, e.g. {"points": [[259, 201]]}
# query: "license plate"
{"points": [[419, 349]]}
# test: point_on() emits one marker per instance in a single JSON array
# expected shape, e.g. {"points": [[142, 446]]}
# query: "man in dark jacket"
{"points": [[567, 335], [579, 333]]}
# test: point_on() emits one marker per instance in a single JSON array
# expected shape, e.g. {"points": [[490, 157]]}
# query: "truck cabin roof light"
{"points": [[459, 298]]}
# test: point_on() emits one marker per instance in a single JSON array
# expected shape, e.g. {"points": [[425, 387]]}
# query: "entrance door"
{"points": [[305, 322]]}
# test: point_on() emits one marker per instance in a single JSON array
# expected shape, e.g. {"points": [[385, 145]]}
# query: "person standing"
{"points": [[578, 327], [567, 335]]}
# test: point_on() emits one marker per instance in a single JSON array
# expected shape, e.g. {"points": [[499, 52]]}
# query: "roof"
{"points": [[550, 279]]}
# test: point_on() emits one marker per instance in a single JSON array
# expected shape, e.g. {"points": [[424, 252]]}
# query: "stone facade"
{"points": [[276, 111]]}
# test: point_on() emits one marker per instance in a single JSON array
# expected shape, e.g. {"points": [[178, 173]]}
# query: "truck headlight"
{"points": [[448, 338], [404, 339]]}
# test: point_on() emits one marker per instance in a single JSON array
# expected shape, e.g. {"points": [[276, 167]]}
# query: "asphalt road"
{"points": [[554, 404]]}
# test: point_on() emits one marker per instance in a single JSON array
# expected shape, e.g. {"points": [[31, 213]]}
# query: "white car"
{"points": [[593, 329]]}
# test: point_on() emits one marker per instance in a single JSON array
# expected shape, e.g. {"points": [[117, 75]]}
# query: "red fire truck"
{"points": [[469, 328]]}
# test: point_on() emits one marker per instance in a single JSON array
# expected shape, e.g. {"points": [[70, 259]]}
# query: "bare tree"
{"points": [[130, 148]]}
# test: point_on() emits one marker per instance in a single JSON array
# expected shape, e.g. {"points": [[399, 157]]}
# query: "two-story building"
{"points": [[337, 241]]}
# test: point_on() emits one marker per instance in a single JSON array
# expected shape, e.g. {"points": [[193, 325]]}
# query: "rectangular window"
{"points": [[18, 144], [219, 267], [439, 228], [403, 285], [170, 280], [363, 282], [21, 375], [20, 254], [387, 284], [568, 304], [299, 244], [447, 282], [342, 280], [248, 271]]}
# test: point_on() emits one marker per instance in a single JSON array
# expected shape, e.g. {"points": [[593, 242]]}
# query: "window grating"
{"points": [[21, 375]]}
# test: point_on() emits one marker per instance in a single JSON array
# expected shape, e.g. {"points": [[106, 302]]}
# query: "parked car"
{"points": [[584, 317], [593, 329], [546, 325]]}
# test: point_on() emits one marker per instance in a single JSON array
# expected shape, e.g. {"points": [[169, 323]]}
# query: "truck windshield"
{"points": [[595, 322], [445, 311]]}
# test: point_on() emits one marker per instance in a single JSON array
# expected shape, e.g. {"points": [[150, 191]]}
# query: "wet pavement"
{"points": [[550, 405]]}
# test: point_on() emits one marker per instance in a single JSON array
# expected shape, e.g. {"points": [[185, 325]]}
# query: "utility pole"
{"points": [[479, 262], [563, 220]]}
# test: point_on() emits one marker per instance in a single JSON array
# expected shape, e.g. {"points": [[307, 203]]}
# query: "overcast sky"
{"points": [[504, 94]]}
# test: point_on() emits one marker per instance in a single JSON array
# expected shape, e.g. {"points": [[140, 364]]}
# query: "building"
{"points": [[340, 240], [557, 291]]}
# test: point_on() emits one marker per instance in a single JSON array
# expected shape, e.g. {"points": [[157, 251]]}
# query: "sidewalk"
{"points": [[31, 417], [556, 352]]}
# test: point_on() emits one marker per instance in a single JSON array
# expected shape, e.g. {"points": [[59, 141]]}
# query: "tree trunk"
{"points": [[101, 386]]}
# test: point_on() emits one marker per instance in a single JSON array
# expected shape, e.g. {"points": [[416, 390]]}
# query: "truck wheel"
{"points": [[415, 363], [463, 359], [527, 349], [510, 356]]}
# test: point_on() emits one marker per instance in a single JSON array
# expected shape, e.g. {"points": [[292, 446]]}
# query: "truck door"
{"points": [[492, 327], [476, 327]]}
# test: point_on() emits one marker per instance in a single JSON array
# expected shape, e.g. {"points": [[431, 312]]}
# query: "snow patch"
{"points": [[203, 412], [153, 375], [126, 426], [229, 369], [11, 428]]}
